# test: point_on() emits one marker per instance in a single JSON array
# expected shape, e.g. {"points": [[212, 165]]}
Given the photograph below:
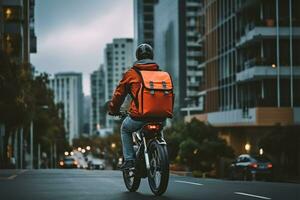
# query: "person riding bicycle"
{"points": [[130, 84]]}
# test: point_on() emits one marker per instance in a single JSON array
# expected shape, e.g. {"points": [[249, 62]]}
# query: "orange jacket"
{"points": [[130, 84]]}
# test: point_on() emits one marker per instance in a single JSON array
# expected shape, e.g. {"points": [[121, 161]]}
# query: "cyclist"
{"points": [[130, 84]]}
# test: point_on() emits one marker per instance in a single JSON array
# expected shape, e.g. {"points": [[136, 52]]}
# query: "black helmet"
{"points": [[144, 51]]}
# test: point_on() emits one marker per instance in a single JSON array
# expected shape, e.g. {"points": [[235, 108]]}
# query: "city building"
{"points": [[67, 89], [251, 68], [17, 41], [144, 21], [177, 50], [86, 115], [98, 110], [17, 35], [118, 58]]}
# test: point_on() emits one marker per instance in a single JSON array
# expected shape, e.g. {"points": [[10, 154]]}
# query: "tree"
{"points": [[197, 145], [22, 100], [282, 144]]}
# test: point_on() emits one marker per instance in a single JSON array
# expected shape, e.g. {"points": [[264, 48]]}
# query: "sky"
{"points": [[72, 34]]}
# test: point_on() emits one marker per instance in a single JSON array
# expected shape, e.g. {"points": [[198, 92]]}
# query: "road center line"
{"points": [[191, 183], [251, 195]]}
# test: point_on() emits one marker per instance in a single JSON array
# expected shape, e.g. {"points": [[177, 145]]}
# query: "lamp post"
{"points": [[31, 139]]}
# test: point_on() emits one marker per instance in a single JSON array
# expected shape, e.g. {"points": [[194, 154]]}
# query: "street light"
{"points": [[66, 153], [247, 147], [79, 148], [8, 13], [88, 148], [113, 145], [83, 151], [261, 151]]}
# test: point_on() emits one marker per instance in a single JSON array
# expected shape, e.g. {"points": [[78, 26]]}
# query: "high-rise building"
{"points": [[176, 47], [86, 115], [118, 58], [251, 68], [98, 112], [17, 36], [67, 89], [144, 21]]}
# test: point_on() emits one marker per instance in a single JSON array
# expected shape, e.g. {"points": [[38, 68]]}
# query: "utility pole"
{"points": [[16, 146], [31, 144], [55, 155], [21, 148], [51, 155], [39, 156]]}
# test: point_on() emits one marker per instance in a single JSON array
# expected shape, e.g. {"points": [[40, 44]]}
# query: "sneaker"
{"points": [[129, 164]]}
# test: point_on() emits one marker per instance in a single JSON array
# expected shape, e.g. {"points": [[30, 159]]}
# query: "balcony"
{"points": [[263, 72], [194, 54], [192, 93], [193, 84], [192, 63], [12, 2], [194, 73], [266, 33], [259, 116], [192, 44]]}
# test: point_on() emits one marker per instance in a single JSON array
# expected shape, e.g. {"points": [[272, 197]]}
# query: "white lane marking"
{"points": [[192, 183], [12, 177], [251, 195]]}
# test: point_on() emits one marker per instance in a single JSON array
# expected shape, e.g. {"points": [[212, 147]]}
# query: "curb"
{"points": [[182, 173]]}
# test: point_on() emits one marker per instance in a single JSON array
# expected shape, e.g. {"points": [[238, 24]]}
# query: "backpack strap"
{"points": [[133, 97]]}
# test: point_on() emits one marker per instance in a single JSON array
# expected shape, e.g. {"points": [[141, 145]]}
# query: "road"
{"points": [[75, 184]]}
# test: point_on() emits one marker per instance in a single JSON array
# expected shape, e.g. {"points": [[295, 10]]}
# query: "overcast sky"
{"points": [[72, 34]]}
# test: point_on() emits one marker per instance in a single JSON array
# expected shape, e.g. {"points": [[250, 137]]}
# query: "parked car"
{"points": [[251, 167], [96, 163], [82, 164], [68, 162]]}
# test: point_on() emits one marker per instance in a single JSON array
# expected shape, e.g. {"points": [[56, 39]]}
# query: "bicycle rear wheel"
{"points": [[158, 175]]}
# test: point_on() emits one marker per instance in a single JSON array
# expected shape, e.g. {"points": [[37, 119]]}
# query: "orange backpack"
{"points": [[155, 97]]}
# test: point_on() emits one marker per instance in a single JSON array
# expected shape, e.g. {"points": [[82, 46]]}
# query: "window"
{"points": [[123, 45], [116, 45]]}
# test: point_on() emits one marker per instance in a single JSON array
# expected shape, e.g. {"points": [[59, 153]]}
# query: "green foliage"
{"points": [[25, 98], [196, 145], [282, 144]]}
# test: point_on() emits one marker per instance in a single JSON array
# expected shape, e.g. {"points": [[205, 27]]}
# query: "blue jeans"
{"points": [[128, 127]]}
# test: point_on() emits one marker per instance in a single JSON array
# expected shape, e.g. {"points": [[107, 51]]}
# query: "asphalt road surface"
{"points": [[96, 185]]}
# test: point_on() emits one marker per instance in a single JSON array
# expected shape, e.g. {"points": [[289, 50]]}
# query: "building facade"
{"points": [[17, 34], [118, 58], [144, 21], [177, 50], [67, 89], [98, 112], [17, 41], [251, 69]]}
